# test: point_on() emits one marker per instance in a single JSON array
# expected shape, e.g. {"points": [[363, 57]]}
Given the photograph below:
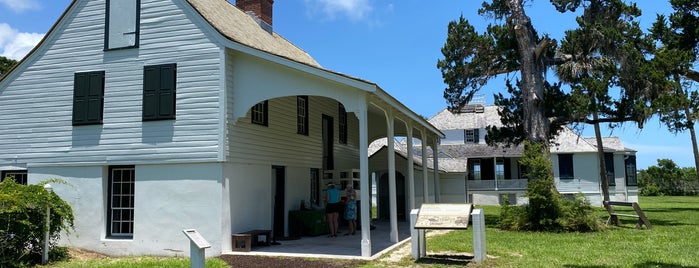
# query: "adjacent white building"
{"points": [[482, 174]]}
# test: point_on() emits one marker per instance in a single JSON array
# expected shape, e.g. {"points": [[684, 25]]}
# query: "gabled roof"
{"points": [[237, 26], [445, 119]]}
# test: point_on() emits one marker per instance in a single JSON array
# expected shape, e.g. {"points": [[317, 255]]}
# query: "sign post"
{"points": [[478, 219], [197, 245], [436, 216]]}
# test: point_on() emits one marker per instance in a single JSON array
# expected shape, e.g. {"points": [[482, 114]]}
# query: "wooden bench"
{"points": [[614, 216], [245, 240]]}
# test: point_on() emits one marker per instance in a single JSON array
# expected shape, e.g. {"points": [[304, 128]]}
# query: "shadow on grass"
{"points": [[446, 259], [647, 264]]}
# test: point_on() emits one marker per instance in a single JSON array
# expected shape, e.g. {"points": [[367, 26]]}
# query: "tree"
{"points": [[678, 35], [609, 50], [5, 65], [606, 52]]}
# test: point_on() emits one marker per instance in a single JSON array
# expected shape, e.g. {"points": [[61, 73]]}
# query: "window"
{"points": [[565, 167], [159, 82], [630, 163], [342, 114], [315, 187], [88, 98], [120, 208], [302, 115], [474, 169], [122, 24], [258, 114], [609, 166], [20, 176], [500, 169], [471, 136]]}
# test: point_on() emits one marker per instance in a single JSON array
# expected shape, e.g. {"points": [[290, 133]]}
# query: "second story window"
{"points": [[302, 115], [122, 24], [342, 124], [88, 98], [471, 136], [258, 114], [159, 84]]}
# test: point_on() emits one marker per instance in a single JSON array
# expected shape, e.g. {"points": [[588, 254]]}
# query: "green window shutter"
{"points": [[159, 84], [88, 98]]}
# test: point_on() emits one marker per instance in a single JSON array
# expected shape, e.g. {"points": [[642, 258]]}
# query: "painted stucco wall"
{"points": [[167, 200]]}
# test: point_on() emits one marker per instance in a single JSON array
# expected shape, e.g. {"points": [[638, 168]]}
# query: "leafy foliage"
{"points": [[23, 222], [5, 65], [546, 210], [668, 179]]}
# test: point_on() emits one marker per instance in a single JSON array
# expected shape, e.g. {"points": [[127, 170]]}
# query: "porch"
{"points": [[344, 247]]}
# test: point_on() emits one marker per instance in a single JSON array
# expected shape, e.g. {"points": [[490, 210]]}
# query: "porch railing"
{"points": [[476, 185]]}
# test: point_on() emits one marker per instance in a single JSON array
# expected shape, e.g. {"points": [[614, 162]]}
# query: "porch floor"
{"points": [[340, 247]]}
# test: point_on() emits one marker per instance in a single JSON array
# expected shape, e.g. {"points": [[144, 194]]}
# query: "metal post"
{"points": [[47, 230], [478, 220]]}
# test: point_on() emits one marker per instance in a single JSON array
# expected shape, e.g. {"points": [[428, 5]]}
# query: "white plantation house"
{"points": [[164, 115], [484, 174]]}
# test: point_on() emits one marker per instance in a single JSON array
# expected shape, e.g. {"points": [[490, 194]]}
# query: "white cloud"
{"points": [[21, 5], [355, 10], [14, 44]]}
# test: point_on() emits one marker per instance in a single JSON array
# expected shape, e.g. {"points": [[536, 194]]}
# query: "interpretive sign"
{"points": [[196, 238], [443, 216]]}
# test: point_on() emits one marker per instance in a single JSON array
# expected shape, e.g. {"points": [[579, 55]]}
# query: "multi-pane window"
{"points": [[159, 84], [471, 136], [302, 115], [122, 24], [609, 166], [565, 166], [474, 169], [500, 169], [342, 116], [258, 114], [120, 209], [20, 176], [315, 186], [630, 163], [88, 98]]}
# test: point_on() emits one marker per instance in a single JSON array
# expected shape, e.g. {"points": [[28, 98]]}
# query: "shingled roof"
{"points": [[234, 24]]}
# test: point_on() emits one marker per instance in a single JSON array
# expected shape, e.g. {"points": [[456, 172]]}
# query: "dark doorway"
{"points": [[384, 205], [328, 140], [279, 185]]}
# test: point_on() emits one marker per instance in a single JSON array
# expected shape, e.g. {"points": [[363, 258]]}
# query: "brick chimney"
{"points": [[262, 9]]}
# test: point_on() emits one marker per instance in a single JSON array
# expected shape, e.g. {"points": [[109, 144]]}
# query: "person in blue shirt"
{"points": [[332, 208]]}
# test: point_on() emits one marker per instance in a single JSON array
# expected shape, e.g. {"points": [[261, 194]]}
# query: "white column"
{"points": [[411, 168], [495, 171], [425, 177], [393, 207], [437, 189], [364, 181]]}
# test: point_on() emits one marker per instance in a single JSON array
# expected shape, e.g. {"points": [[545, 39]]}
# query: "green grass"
{"points": [[673, 241]]}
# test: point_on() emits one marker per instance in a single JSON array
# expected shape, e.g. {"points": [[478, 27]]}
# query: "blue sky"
{"points": [[394, 43]]}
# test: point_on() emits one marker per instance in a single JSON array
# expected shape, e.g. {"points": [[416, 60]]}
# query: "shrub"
{"points": [[23, 220], [668, 179], [546, 210], [577, 215]]}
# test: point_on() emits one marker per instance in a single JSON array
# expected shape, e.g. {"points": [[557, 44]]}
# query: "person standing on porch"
{"points": [[351, 209], [332, 208]]}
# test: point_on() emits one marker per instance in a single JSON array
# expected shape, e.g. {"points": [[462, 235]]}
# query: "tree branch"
{"points": [[692, 75]]}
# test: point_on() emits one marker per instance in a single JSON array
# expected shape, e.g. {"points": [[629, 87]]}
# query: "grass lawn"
{"points": [[673, 241]]}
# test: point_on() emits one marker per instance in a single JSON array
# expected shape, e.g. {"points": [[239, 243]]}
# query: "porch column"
{"points": [[495, 171], [411, 168], [364, 181], [437, 190], [392, 177], [425, 184]]}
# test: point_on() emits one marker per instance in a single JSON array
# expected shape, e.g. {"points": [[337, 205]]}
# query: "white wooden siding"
{"points": [[36, 101], [279, 144]]}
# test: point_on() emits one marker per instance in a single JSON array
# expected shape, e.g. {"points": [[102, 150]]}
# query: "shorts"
{"points": [[333, 208]]}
